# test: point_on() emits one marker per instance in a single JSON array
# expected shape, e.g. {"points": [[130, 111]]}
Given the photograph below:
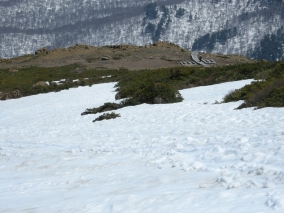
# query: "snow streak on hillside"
{"points": [[193, 156], [27, 25]]}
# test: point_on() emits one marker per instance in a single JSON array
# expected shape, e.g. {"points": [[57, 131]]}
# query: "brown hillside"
{"points": [[158, 55]]}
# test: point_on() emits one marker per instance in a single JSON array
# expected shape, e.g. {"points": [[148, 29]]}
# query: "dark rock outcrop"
{"points": [[42, 51]]}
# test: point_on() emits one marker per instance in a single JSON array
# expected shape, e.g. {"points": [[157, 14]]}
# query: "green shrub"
{"points": [[165, 92], [25, 78], [106, 107], [278, 71], [107, 116], [274, 99], [178, 75], [151, 93], [259, 94]]}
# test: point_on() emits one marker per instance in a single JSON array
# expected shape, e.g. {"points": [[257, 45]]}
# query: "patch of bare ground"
{"points": [[158, 55]]}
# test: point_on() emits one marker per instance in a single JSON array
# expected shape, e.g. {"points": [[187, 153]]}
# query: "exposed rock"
{"points": [[42, 51], [40, 84], [83, 46], [13, 70], [158, 100], [114, 46], [10, 95], [78, 70], [105, 58], [164, 44], [117, 96]]}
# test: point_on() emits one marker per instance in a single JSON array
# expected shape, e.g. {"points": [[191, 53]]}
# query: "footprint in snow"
{"points": [[275, 200], [234, 184]]}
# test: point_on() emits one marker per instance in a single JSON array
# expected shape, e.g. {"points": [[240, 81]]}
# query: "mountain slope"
{"points": [[28, 25]]}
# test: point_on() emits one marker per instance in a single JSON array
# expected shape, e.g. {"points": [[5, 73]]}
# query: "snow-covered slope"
{"points": [[27, 25], [192, 156]]}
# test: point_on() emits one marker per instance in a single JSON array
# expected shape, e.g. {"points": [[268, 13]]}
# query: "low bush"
{"points": [[107, 116], [151, 93], [156, 93], [106, 107], [25, 78], [162, 85], [274, 99], [259, 94], [187, 77]]}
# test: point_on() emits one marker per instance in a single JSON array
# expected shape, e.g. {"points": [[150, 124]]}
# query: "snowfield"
{"points": [[193, 156]]}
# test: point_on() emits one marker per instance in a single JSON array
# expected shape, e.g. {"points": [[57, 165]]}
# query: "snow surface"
{"points": [[193, 156]]}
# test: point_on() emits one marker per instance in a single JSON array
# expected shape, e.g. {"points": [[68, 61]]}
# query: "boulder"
{"points": [[40, 84], [117, 96], [105, 58], [158, 100], [43, 50], [10, 95]]}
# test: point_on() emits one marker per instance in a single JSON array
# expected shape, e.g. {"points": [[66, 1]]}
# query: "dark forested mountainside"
{"points": [[246, 27], [271, 47], [208, 41]]}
